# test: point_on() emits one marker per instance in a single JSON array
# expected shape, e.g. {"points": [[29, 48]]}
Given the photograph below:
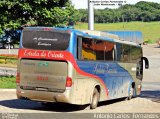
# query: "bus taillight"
{"points": [[68, 82], [18, 78]]}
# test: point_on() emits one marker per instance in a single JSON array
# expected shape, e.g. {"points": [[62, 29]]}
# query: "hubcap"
{"points": [[131, 92]]}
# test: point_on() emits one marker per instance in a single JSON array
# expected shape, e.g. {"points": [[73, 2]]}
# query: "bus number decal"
{"points": [[42, 78]]}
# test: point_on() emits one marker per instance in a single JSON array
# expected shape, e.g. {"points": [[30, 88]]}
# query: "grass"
{"points": [[7, 82], [151, 41], [150, 30], [7, 60]]}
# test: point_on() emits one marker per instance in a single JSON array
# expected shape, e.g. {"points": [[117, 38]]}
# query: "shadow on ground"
{"points": [[54, 107], [157, 47], [153, 95], [61, 107]]}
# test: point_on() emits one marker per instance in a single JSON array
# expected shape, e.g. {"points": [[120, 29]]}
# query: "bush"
{"points": [[151, 41], [2, 61], [7, 82], [8, 56], [8, 59]]}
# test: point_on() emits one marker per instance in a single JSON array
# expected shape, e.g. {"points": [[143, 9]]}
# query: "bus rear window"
{"points": [[45, 40]]}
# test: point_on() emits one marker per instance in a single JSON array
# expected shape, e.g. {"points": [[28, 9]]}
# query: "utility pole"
{"points": [[90, 15]]}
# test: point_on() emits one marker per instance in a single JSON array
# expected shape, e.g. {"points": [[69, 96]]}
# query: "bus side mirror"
{"points": [[146, 62]]}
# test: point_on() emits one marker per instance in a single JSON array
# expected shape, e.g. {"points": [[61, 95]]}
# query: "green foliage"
{"points": [[17, 13], [2, 61], [7, 82], [151, 41], [142, 11], [8, 60]]}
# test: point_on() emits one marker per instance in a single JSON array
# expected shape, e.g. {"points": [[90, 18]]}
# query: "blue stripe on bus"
{"points": [[113, 75]]}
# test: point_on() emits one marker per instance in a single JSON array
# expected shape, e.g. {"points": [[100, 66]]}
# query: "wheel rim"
{"points": [[95, 99], [131, 93]]}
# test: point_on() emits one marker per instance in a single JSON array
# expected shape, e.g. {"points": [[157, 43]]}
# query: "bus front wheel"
{"points": [[95, 99], [131, 93]]}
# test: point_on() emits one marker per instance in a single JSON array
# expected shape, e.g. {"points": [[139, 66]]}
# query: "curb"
{"points": [[7, 90]]}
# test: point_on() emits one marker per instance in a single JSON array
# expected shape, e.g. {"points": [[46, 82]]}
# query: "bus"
{"points": [[77, 67]]}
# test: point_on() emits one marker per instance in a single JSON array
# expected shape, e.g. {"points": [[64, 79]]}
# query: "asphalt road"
{"points": [[152, 52], [147, 102], [6, 71]]}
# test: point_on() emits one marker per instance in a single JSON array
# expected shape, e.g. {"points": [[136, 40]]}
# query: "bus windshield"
{"points": [[45, 39]]}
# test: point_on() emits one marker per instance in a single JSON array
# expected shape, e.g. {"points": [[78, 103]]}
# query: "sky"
{"points": [[84, 3]]}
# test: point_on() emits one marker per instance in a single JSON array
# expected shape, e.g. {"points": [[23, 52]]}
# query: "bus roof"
{"points": [[107, 36], [112, 36]]}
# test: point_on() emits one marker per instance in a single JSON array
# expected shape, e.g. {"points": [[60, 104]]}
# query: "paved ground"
{"points": [[152, 52], [148, 102]]}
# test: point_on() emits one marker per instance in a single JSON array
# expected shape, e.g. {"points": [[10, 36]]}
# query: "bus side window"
{"points": [[123, 52], [135, 54], [99, 49], [95, 49], [119, 51], [126, 53], [88, 52], [109, 51], [79, 48]]}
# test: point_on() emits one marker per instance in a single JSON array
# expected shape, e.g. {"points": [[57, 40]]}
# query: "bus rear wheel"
{"points": [[95, 99]]}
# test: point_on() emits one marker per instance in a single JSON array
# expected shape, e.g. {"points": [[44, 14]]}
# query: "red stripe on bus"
{"points": [[56, 55]]}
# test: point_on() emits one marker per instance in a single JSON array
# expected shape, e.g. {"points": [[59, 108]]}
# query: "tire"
{"points": [[18, 96], [131, 93], [95, 99]]}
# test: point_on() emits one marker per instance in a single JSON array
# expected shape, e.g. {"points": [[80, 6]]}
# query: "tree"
{"points": [[83, 15], [15, 13], [146, 16], [142, 11]]}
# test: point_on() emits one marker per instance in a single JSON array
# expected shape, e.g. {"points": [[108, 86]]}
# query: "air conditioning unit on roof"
{"points": [[101, 34]]}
